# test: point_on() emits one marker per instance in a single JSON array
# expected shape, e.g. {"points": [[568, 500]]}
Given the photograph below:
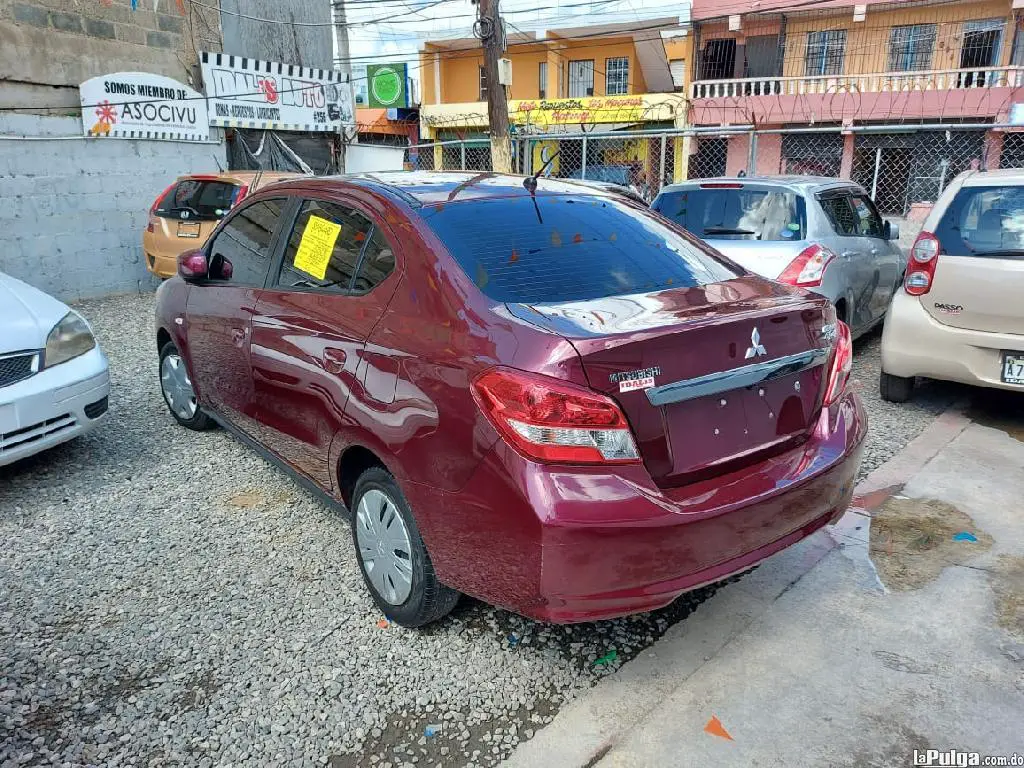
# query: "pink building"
{"points": [[779, 64]]}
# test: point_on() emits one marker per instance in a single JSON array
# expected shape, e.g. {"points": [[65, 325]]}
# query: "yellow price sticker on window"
{"points": [[316, 246]]}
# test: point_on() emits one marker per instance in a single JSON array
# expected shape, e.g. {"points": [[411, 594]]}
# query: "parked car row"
{"points": [[544, 393]]}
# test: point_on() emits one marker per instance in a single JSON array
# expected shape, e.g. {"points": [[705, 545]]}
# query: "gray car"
{"points": [[816, 233]]}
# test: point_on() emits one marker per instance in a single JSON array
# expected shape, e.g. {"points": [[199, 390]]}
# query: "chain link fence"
{"points": [[898, 167]]}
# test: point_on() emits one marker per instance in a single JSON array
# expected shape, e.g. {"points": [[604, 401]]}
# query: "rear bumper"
{"points": [[915, 344], [571, 544], [160, 255], [54, 406], [162, 266]]}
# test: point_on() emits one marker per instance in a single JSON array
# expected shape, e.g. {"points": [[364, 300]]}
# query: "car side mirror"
{"points": [[192, 266], [892, 230]]}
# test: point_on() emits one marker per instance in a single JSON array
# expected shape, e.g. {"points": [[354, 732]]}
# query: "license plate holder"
{"points": [[188, 229], [1013, 368]]}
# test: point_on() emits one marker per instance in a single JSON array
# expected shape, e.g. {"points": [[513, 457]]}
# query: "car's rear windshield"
{"points": [[199, 198], [984, 221], [561, 248], [737, 212]]}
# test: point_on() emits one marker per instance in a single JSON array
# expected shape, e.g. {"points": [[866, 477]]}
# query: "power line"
{"points": [[316, 23]]}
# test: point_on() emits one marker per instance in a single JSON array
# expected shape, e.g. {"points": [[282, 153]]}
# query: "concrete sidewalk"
{"points": [[813, 660]]}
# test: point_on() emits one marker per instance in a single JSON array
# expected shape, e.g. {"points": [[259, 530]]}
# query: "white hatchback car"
{"points": [[54, 381], [960, 314]]}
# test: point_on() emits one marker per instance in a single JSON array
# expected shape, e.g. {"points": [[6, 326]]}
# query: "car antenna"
{"points": [[530, 182], [219, 166], [256, 180]]}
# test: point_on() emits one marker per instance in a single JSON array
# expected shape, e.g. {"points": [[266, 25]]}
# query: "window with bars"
{"points": [[911, 47], [483, 84], [826, 52], [581, 79], [542, 80], [616, 76]]}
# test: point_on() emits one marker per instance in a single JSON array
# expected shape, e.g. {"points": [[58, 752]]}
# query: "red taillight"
{"points": [[808, 268], [721, 185], [550, 420], [842, 364], [156, 203], [924, 257]]}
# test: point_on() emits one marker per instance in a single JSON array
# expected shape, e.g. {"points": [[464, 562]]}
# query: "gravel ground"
{"points": [[168, 598]]}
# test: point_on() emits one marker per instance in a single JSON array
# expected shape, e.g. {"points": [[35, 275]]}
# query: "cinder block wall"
{"points": [[49, 47], [72, 210]]}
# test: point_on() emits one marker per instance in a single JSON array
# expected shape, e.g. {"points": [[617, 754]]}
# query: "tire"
{"points": [[198, 420], [895, 389], [378, 501]]}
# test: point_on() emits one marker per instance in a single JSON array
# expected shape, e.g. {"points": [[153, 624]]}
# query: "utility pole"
{"points": [[344, 65], [492, 36]]}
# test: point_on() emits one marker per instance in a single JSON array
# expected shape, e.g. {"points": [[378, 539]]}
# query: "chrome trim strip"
{"points": [[738, 378]]}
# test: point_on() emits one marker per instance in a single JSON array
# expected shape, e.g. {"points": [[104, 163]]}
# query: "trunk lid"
{"points": [[980, 293], [746, 361]]}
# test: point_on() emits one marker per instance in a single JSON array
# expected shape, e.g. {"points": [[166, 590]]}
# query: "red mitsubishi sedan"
{"points": [[525, 390]]}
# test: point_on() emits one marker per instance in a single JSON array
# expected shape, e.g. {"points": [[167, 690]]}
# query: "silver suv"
{"points": [[821, 234]]}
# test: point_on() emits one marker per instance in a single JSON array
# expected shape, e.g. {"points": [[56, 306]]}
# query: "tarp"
{"points": [[253, 149]]}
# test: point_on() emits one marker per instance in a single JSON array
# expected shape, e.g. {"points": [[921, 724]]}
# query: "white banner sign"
{"points": [[248, 93], [138, 105]]}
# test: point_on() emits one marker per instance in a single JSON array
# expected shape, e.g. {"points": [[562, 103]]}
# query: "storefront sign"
{"points": [[248, 93], [388, 85], [138, 105], [595, 109]]}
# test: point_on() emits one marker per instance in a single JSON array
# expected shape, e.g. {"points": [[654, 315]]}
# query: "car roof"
{"points": [[244, 177], [1009, 176], [804, 184], [420, 188]]}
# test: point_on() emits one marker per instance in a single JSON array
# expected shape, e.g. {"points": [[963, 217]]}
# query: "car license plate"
{"points": [[1013, 367], [190, 229]]}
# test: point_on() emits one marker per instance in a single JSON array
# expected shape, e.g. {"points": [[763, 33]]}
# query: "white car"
{"points": [[54, 381], [960, 314]]}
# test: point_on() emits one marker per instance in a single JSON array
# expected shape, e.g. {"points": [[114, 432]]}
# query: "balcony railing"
{"points": [[879, 82]]}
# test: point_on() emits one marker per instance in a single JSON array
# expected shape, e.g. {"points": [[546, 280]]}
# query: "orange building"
{"points": [[609, 78]]}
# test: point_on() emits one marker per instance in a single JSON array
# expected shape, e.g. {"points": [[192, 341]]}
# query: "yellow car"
{"points": [[188, 211]]}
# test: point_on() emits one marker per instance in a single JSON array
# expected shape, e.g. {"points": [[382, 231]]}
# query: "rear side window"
{"points": [[568, 248], [737, 213], [867, 221], [324, 248], [852, 215], [198, 199], [378, 262], [840, 215], [984, 221], [240, 253]]}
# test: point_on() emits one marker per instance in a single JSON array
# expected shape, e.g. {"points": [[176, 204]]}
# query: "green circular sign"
{"points": [[386, 85]]}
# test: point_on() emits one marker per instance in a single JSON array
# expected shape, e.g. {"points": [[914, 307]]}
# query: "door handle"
{"points": [[848, 254], [334, 360]]}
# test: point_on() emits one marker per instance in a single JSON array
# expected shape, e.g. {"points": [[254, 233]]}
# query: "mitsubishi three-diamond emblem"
{"points": [[756, 347]]}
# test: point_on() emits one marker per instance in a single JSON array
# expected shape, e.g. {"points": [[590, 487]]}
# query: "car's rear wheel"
{"points": [[392, 557], [895, 389], [179, 394]]}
